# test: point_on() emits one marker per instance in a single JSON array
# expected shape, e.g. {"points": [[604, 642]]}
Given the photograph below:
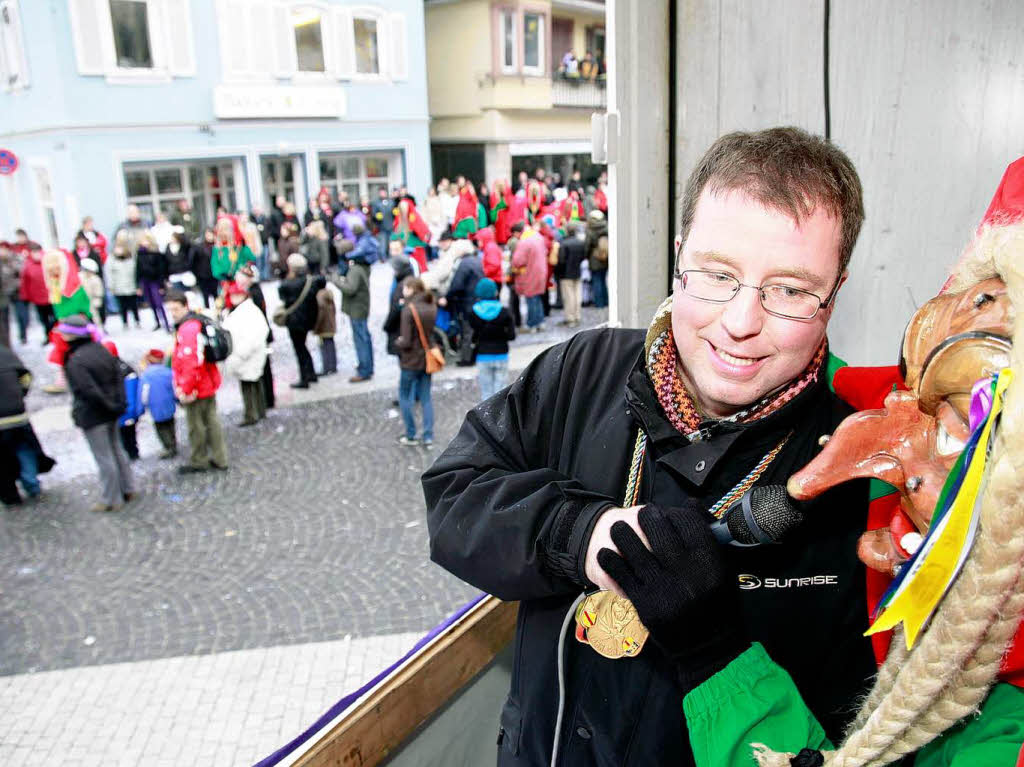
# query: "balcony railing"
{"points": [[571, 91]]}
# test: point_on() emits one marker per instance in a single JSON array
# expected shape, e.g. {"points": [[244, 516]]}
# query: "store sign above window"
{"points": [[254, 101]]}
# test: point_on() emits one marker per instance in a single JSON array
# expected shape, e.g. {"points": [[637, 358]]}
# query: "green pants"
{"points": [[252, 401], [205, 436]]}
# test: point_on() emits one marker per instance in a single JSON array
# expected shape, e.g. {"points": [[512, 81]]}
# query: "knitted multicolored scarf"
{"points": [[679, 405]]}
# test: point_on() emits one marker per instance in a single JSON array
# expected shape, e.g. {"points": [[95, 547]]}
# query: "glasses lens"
{"points": [[789, 302], [709, 286]]}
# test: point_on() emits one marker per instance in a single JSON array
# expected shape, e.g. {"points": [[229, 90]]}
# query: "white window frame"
{"points": [[378, 15], [326, 41], [154, 198], [52, 238], [9, 9], [508, 16], [158, 20], [541, 67], [395, 170]]}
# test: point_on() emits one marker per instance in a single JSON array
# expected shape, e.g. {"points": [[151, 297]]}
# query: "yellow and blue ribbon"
{"points": [[915, 594]]}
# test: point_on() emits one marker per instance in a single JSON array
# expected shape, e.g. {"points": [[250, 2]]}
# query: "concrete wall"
{"points": [[927, 99], [458, 40]]}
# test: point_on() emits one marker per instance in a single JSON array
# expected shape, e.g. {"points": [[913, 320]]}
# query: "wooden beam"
{"points": [[369, 733]]}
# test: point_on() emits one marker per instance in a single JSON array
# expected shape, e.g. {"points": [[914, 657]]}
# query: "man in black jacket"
{"points": [[298, 296], [97, 401], [619, 440]]}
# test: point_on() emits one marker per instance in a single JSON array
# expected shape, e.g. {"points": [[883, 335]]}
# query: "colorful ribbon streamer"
{"points": [[914, 596]]}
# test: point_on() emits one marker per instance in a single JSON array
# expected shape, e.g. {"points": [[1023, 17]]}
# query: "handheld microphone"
{"points": [[761, 515]]}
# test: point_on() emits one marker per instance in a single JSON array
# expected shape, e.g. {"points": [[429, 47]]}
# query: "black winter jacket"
{"points": [[461, 290], [304, 316], [512, 500], [179, 262], [14, 381], [150, 265], [97, 389], [571, 254], [492, 336]]}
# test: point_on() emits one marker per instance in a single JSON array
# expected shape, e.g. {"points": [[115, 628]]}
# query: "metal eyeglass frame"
{"points": [[760, 293]]}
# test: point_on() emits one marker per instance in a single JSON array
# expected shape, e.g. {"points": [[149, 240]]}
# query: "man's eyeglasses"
{"points": [[777, 298]]}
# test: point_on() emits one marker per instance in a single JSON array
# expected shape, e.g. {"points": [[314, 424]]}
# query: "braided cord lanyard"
{"points": [[636, 468]]}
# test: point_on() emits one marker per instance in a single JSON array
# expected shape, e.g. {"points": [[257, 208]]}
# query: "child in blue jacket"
{"points": [[126, 423], [158, 396]]}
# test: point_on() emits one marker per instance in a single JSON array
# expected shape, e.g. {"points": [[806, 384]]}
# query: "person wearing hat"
{"points": [[596, 246], [97, 401], [492, 328], [158, 397], [248, 328], [249, 276], [355, 299]]}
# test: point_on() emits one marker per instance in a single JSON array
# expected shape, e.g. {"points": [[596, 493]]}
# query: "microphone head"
{"points": [[772, 511]]}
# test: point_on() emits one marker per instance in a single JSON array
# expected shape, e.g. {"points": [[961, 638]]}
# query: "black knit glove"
{"points": [[680, 588]]}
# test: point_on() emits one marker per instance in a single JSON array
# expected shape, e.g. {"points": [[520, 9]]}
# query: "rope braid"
{"points": [[918, 695]]}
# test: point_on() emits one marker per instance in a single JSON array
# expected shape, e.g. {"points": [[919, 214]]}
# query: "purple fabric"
{"points": [[981, 402], [344, 220], [349, 699]]}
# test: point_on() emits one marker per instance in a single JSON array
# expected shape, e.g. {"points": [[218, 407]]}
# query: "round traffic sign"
{"points": [[8, 162]]}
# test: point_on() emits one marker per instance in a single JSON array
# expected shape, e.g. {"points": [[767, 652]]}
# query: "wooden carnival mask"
{"points": [[913, 441]]}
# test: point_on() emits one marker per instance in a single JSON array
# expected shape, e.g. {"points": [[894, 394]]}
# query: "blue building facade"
{"points": [[226, 103]]}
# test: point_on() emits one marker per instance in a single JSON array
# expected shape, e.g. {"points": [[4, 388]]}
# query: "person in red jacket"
{"points": [[195, 384], [490, 253], [33, 289]]}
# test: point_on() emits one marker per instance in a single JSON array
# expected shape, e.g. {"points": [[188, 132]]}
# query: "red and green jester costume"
{"points": [[753, 700]]}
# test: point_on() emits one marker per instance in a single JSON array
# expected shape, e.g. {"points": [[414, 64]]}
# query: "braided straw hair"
{"points": [[919, 694]]}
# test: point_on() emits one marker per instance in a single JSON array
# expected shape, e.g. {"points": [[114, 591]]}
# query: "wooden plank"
{"points": [[395, 709]]}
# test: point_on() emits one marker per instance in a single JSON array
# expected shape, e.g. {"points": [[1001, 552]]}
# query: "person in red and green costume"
{"points": [[501, 210], [467, 213], [68, 298], [412, 231], [229, 253]]}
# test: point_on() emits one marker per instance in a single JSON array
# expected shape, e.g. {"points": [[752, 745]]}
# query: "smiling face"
{"points": [[735, 353]]}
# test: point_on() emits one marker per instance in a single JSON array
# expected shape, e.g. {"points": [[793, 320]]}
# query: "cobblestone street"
{"points": [[310, 554]]}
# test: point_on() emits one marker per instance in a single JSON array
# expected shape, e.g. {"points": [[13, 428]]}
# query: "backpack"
{"points": [[214, 340]]}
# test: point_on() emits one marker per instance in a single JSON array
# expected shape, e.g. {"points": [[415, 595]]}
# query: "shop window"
{"points": [[367, 59], [533, 43], [508, 41], [309, 39], [158, 188], [360, 175], [169, 181], [130, 21]]}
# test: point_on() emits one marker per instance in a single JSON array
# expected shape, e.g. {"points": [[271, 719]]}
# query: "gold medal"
{"points": [[609, 623]]}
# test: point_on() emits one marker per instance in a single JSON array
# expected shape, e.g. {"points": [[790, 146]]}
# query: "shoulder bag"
{"points": [[434, 356], [280, 316]]}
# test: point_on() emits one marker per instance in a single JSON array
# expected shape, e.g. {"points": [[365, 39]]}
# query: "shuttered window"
{"points": [[13, 61], [268, 39], [135, 39]]}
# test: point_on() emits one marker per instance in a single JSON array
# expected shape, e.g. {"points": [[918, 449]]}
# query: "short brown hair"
{"points": [[786, 169]]}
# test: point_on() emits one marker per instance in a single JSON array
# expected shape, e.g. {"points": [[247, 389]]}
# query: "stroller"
{"points": [[447, 333]]}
